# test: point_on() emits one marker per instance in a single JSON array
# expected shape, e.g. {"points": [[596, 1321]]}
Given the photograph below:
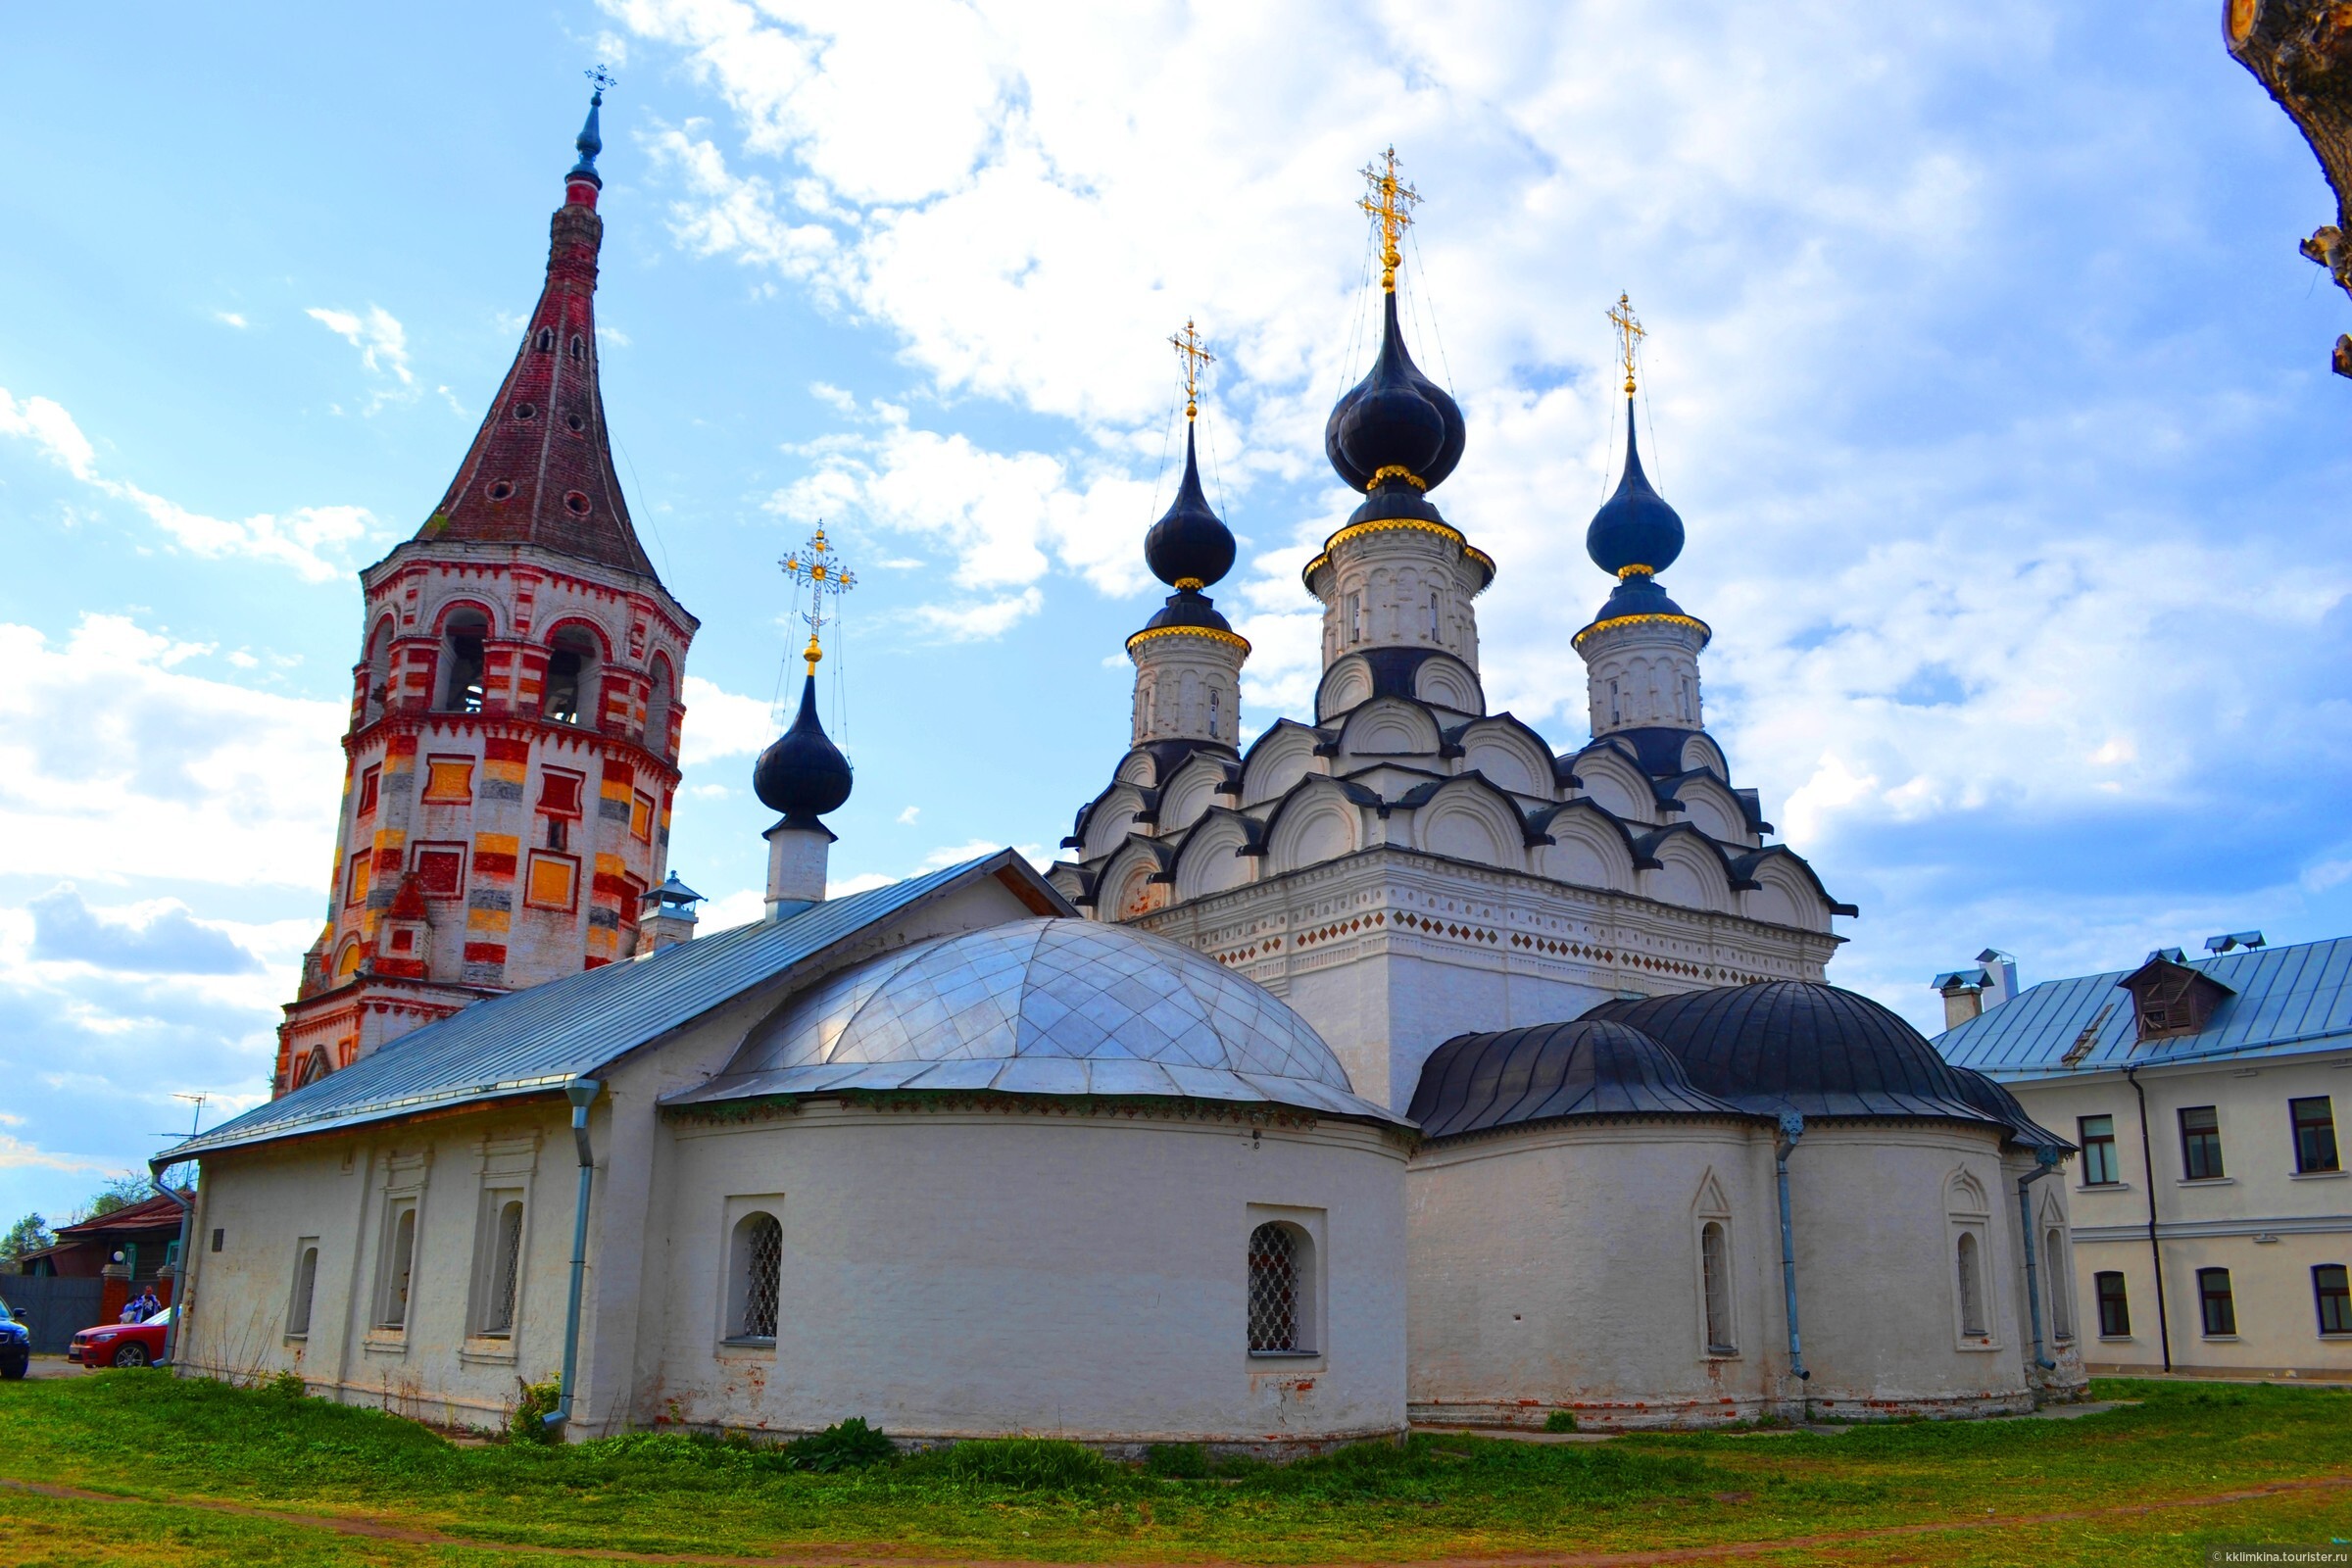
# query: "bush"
{"points": [[1027, 1464], [848, 1444], [288, 1385], [1560, 1421], [1177, 1461], [538, 1402]]}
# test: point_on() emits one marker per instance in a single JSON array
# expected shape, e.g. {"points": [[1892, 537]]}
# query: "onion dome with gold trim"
{"points": [[1396, 435], [804, 774], [1635, 529]]}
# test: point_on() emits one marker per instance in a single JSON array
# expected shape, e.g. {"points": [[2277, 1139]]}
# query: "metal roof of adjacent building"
{"points": [[2288, 1000], [1554, 1072], [531, 1041]]}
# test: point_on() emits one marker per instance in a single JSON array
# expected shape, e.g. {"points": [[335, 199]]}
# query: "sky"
{"points": [[1983, 370]]}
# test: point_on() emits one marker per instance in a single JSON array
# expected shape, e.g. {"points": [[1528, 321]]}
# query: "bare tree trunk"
{"points": [[2301, 51]]}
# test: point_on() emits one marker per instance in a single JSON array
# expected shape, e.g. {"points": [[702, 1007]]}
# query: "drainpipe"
{"points": [[580, 1091], [1793, 1127], [2046, 1163], [180, 1283], [2147, 1168]]}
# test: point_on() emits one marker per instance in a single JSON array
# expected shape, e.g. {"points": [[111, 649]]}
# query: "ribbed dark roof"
{"points": [[1794, 1045], [1550, 1071], [1189, 606], [2003, 1107]]}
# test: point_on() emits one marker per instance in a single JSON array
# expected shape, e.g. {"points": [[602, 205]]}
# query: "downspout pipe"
{"points": [[180, 1281], [1793, 1127], [2147, 1169], [580, 1092], [2046, 1163]]}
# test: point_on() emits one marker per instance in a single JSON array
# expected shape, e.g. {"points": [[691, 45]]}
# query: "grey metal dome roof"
{"points": [[1796, 1045], [1552, 1072], [1052, 1007]]}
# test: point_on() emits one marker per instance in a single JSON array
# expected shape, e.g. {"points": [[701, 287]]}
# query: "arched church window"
{"points": [[1614, 715], [657, 708], [570, 673], [1355, 618], [547, 340], [1715, 1277], [1432, 617], [1280, 1290], [461, 663], [1217, 707], [1969, 1260], [579, 347], [759, 1276], [2053, 1269], [379, 673]]}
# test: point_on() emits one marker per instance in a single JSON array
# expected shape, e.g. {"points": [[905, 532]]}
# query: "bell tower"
{"points": [[512, 747]]}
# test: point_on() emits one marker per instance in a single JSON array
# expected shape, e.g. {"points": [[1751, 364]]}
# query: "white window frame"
{"points": [[396, 1273], [1311, 1261], [488, 1249], [734, 1279], [1728, 1348], [301, 1296]]}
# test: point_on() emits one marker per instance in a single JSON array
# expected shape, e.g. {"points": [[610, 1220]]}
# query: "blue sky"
{"points": [[1982, 369]]}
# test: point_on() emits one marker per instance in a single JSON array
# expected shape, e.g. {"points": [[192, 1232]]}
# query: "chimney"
{"points": [[2000, 976], [667, 917], [1963, 992]]}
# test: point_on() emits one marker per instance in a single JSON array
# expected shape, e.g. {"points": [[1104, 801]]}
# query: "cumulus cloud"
{"points": [[383, 342], [157, 938], [720, 724], [308, 539]]}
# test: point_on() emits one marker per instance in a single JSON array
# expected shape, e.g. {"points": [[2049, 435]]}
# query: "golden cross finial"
{"points": [[815, 565], [1189, 349], [1630, 334], [1391, 206]]}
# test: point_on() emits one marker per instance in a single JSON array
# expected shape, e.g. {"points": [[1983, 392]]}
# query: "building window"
{"points": [[441, 871], [1355, 618], [2097, 1138], [400, 1262], [658, 703], [448, 780], [1432, 617], [2315, 1133], [355, 881], [499, 1265], [461, 663], [1715, 1281], [559, 792], [2332, 1287], [376, 682], [759, 1276], [2201, 1142], [641, 817], [2215, 1302], [2053, 1268], [553, 881], [570, 673], [1216, 714], [369, 783], [1280, 1291], [547, 340], [1970, 1261], [2114, 1310], [632, 899], [306, 1286]]}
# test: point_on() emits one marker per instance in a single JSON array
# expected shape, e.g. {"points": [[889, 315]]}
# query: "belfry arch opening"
{"points": [[463, 662], [571, 662]]}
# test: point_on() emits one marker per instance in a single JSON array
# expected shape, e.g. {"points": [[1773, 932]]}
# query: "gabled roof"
{"points": [[2289, 1000], [157, 1213], [531, 1041]]}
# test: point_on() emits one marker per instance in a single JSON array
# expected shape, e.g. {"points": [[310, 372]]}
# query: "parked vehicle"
{"points": [[16, 1344], [121, 1344]]}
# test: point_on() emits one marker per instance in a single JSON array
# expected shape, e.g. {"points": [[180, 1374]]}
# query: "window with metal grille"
{"points": [[2331, 1284], [2315, 1133], [400, 1258], [506, 1268], [2115, 1309], [2099, 1150], [1274, 1294], [2216, 1302], [1715, 1274], [2201, 1142], [760, 1255]]}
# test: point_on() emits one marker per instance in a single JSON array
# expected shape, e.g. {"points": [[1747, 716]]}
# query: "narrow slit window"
{"points": [[506, 1268], [2053, 1269], [306, 1286], [760, 1276], [1970, 1262], [400, 1262], [1715, 1274]]}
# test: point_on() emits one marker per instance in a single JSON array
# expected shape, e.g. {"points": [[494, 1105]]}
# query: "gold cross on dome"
{"points": [[603, 80], [1630, 334], [816, 566], [1189, 349], [1390, 205]]}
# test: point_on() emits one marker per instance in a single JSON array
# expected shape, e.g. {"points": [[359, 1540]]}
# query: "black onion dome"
{"points": [[1191, 544], [1635, 527], [804, 774], [1394, 417], [1797, 1045], [1189, 606], [1548, 1072]]}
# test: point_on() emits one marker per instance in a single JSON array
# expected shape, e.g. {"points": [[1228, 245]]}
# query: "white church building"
{"points": [[1397, 1068]]}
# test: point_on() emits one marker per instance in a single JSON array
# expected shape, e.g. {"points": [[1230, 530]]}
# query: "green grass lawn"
{"points": [[171, 1444]]}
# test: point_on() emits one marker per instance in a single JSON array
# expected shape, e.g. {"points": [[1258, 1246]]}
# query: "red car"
{"points": [[121, 1344]]}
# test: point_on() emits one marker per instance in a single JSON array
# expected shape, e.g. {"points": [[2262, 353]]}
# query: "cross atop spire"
{"points": [[816, 566], [1630, 334], [1189, 349], [1388, 203]]}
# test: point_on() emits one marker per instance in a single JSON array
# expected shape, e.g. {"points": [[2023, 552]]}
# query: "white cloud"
{"points": [[16, 1155], [720, 724], [977, 620], [906, 817], [308, 539], [231, 319], [383, 345]]}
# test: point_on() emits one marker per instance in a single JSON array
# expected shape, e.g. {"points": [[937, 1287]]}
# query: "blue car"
{"points": [[15, 1344]]}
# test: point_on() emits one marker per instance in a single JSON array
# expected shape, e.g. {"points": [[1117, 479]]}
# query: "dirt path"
{"points": [[840, 1556]]}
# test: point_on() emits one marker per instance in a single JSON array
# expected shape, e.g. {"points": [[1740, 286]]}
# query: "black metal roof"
{"points": [[1549, 1073], [1794, 1045]]}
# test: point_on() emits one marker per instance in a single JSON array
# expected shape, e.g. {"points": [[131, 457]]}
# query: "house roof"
{"points": [[531, 1041], [157, 1213], [2288, 1000]]}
